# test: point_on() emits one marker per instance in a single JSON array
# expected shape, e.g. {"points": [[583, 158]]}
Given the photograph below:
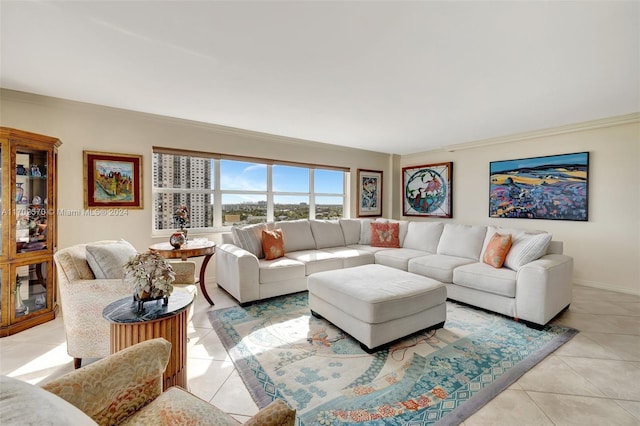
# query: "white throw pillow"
{"points": [[504, 231], [526, 248], [249, 237], [107, 258]]}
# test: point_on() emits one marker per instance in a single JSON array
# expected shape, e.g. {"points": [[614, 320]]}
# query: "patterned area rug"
{"points": [[442, 377]]}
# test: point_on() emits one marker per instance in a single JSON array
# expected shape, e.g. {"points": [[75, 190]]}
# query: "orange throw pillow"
{"points": [[272, 244], [497, 250], [385, 234]]}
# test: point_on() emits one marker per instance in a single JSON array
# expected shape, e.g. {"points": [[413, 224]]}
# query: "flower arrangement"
{"points": [[151, 275], [182, 216]]}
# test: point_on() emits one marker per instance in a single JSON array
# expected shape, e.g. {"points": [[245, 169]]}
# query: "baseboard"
{"points": [[608, 287]]}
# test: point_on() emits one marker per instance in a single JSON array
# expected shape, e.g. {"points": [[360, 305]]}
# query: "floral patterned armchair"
{"points": [[122, 389], [85, 291]]}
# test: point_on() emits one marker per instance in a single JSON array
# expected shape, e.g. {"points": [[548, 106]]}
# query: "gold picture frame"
{"points": [[112, 180]]}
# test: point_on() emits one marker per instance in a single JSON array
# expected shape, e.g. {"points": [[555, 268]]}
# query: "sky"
{"points": [[236, 175]]}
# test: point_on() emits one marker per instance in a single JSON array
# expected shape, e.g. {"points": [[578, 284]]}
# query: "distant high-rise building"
{"points": [[176, 171]]}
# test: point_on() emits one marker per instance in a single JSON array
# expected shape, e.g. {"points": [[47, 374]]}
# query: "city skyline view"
{"points": [[243, 191]]}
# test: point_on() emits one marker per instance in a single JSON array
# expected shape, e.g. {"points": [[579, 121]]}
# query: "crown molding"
{"points": [[554, 131]]}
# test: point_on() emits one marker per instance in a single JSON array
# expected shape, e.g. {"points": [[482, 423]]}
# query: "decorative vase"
{"points": [[19, 192], [177, 239], [20, 170]]}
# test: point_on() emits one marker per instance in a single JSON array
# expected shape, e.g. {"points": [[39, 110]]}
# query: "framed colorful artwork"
{"points": [[428, 190], [112, 180], [550, 187], [369, 193]]}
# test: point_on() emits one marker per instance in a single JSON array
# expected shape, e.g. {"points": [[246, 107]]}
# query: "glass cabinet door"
{"points": [[30, 288], [31, 197]]}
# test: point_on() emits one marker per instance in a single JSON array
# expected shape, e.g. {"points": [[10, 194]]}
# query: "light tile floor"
{"points": [[592, 380]]}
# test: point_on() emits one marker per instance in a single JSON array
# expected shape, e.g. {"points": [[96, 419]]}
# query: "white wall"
{"points": [[606, 248]]}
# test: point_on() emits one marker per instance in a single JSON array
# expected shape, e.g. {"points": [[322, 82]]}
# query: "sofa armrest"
{"points": [[237, 271], [276, 413], [543, 288], [111, 389]]}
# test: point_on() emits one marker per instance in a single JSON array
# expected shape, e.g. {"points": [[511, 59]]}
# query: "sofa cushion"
{"points": [[480, 276], [365, 231], [316, 260], [22, 403], [462, 240], [497, 249], [369, 248], [352, 256], [327, 233], [423, 236], [249, 237], [106, 259], [398, 258], [526, 248], [280, 269], [297, 235], [272, 244], [437, 266], [350, 230], [385, 235]]}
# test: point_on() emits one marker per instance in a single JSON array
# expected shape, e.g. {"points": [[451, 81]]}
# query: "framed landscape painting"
{"points": [[428, 190], [112, 180], [369, 193], [551, 187]]}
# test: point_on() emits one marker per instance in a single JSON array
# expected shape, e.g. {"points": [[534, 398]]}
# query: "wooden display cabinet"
{"points": [[29, 229]]}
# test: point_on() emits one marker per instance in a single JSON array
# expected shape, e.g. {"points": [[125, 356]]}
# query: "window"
{"points": [[222, 191]]}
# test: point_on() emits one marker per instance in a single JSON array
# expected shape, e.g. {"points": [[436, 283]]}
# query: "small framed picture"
{"points": [[369, 193], [112, 180], [428, 190]]}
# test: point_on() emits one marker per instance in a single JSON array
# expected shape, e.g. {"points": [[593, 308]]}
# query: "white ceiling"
{"points": [[388, 76]]}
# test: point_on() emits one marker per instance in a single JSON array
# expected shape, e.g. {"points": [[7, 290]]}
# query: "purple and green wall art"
{"points": [[550, 187]]}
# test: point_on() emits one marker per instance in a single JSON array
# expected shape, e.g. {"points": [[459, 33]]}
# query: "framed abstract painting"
{"points": [[550, 187], [112, 180], [428, 190], [369, 193]]}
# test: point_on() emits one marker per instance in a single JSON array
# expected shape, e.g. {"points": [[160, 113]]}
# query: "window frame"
{"points": [[217, 193]]}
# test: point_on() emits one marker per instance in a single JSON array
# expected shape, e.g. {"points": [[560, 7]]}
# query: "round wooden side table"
{"points": [[193, 248], [129, 326]]}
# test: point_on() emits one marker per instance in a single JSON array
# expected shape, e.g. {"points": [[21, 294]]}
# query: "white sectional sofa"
{"points": [[533, 286]]}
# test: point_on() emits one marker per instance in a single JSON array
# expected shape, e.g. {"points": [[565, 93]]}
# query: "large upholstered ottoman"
{"points": [[377, 304]]}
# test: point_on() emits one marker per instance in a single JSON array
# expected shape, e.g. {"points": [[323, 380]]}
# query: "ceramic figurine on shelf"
{"points": [[19, 192], [21, 308], [35, 170]]}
